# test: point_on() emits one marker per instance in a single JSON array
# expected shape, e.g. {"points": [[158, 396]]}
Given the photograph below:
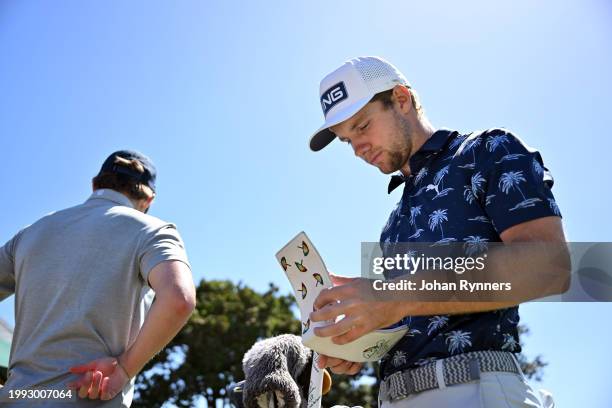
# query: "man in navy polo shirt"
{"points": [[473, 189]]}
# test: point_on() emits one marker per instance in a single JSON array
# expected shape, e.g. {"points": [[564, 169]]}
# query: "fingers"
{"points": [[95, 379], [354, 369], [322, 362], [332, 295], [83, 368], [104, 394], [339, 366], [88, 386], [339, 280], [328, 312], [331, 311], [333, 361], [335, 329], [347, 368], [344, 331], [106, 365], [351, 335], [94, 391], [114, 385], [85, 384]]}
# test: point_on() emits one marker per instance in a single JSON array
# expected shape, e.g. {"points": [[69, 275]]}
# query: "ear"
{"points": [[147, 203], [143, 204], [402, 98]]}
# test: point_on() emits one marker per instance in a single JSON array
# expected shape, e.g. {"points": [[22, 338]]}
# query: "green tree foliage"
{"points": [[228, 319], [206, 356], [360, 389], [533, 369]]}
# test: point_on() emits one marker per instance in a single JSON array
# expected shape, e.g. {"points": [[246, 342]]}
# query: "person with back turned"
{"points": [[84, 280]]}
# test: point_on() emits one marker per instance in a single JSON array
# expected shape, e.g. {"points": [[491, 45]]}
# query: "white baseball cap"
{"points": [[348, 89]]}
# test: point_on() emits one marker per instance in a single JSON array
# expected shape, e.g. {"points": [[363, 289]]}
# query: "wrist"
{"points": [[123, 365], [406, 308]]}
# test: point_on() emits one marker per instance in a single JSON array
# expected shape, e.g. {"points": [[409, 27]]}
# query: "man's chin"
{"points": [[390, 164], [384, 169]]}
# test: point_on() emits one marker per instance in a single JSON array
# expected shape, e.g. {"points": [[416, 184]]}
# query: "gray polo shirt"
{"points": [[81, 291]]}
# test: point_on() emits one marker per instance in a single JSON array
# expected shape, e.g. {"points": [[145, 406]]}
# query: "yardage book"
{"points": [[308, 275]]}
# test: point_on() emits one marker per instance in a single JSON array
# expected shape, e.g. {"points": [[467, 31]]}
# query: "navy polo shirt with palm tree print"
{"points": [[464, 189]]}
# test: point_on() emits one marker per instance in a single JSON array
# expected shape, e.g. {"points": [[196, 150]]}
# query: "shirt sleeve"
{"points": [[161, 244], [518, 186], [7, 268]]}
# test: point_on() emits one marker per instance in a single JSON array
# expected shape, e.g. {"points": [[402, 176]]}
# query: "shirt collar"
{"points": [[436, 142], [111, 195]]}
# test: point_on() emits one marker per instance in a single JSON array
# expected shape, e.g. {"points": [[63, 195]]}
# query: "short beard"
{"points": [[401, 150]]}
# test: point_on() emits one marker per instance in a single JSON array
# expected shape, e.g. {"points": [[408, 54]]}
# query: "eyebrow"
{"points": [[358, 120]]}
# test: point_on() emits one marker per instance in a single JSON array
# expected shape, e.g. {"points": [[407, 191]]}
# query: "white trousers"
{"points": [[493, 390]]}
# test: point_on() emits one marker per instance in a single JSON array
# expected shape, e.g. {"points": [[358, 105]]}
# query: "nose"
{"points": [[362, 149]]}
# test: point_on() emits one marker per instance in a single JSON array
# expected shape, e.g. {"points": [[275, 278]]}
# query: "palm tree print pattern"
{"points": [[501, 140], [436, 323], [457, 141], [495, 141], [511, 180], [438, 182], [472, 191], [553, 206], [475, 245], [458, 340], [414, 212], [421, 173], [537, 167], [399, 358], [471, 146], [436, 219], [473, 183]]}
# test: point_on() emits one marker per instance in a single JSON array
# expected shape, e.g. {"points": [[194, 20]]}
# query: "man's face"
{"points": [[380, 136]]}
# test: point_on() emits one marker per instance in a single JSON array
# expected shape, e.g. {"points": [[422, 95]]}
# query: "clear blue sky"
{"points": [[224, 96]]}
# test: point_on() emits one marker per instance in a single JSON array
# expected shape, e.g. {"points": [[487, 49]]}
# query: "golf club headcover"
{"points": [[277, 373]]}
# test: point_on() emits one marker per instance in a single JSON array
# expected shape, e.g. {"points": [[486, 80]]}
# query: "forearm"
{"points": [[164, 320], [531, 270]]}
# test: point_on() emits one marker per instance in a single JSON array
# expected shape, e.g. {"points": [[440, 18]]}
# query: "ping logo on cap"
{"points": [[334, 95]]}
